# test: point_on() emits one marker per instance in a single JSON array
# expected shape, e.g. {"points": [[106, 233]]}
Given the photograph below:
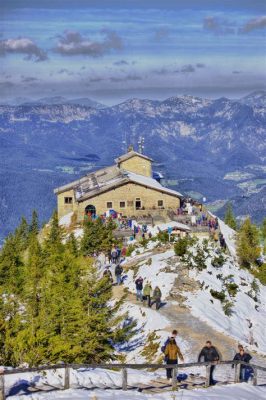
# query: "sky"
{"points": [[111, 50]]}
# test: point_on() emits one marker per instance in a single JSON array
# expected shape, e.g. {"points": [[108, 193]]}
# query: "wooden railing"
{"points": [[124, 368]]}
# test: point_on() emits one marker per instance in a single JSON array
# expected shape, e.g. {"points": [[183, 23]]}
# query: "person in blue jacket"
{"points": [[245, 370]]}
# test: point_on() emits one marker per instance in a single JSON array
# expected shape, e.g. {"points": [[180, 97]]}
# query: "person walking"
{"points": [[157, 294], [245, 370], [174, 335], [118, 274], [114, 255], [108, 274], [172, 352], [139, 287], [147, 293], [209, 353]]}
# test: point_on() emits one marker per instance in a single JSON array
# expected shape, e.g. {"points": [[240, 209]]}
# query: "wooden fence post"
{"points": [[2, 387], [67, 378], [208, 375], [174, 380], [124, 379], [255, 377], [237, 372]]}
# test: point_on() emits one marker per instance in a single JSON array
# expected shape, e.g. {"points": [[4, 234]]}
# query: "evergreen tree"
{"points": [[248, 244], [53, 304], [11, 266], [22, 234], [54, 241], [263, 234], [229, 218], [72, 244], [34, 225], [263, 228], [97, 236]]}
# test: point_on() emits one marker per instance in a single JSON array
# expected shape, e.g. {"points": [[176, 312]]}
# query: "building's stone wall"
{"points": [[138, 165], [129, 193], [62, 207]]}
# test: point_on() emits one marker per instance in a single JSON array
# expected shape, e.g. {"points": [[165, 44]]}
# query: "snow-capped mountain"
{"points": [[198, 145], [257, 98]]}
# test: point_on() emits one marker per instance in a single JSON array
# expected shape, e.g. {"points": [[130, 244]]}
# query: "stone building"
{"points": [[126, 187]]}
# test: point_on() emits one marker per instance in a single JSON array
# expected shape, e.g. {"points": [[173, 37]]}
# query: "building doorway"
{"points": [[138, 204], [90, 210]]}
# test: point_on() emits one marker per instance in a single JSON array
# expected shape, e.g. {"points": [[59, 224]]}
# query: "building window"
{"points": [[68, 200], [109, 204], [160, 203], [122, 204], [138, 203]]}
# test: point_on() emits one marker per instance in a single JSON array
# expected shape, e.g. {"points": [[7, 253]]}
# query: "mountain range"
{"points": [[204, 148]]}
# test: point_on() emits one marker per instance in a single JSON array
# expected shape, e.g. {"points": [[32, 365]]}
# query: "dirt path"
{"points": [[192, 330]]}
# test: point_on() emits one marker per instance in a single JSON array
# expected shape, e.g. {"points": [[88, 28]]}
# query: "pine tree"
{"points": [[54, 241], [22, 234], [53, 304], [72, 245], [34, 225], [263, 228], [11, 265], [97, 236], [248, 244], [263, 234], [229, 218]]}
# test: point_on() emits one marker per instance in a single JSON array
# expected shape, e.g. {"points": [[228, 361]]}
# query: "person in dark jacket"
{"points": [[157, 294], [246, 357], [172, 352], [108, 274], [139, 287], [118, 274], [209, 353]]}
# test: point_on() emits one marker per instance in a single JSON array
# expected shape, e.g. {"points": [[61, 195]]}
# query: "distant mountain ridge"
{"points": [[198, 144], [56, 100]]}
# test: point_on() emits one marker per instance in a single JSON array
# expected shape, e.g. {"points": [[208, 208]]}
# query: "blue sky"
{"points": [[112, 50]]}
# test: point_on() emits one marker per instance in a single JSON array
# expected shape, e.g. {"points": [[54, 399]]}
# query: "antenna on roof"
{"points": [[124, 144], [141, 144]]}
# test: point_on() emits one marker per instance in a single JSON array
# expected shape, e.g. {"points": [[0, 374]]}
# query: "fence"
{"points": [[124, 369]]}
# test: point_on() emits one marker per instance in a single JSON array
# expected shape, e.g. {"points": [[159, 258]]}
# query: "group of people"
{"points": [[208, 354], [107, 273], [146, 294]]}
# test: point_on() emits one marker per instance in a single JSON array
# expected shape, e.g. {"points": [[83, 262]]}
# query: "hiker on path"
{"points": [[157, 294], [244, 369], [172, 352], [118, 273], [108, 274], [209, 353], [215, 236], [174, 335], [139, 287], [147, 293], [114, 255], [222, 241]]}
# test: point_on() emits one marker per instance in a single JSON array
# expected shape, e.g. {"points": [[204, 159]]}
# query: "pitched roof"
{"points": [[106, 179], [90, 188], [131, 154]]}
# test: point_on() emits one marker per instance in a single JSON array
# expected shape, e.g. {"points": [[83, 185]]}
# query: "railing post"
{"points": [[124, 379], [174, 380], [255, 377], [237, 372], [67, 378], [2, 387], [208, 375]]}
